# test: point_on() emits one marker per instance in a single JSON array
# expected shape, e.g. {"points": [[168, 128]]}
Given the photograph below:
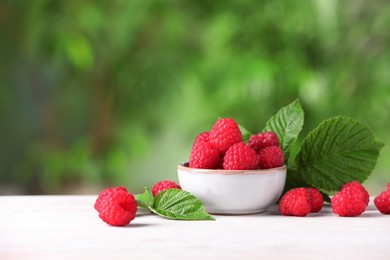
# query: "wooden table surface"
{"points": [[68, 227]]}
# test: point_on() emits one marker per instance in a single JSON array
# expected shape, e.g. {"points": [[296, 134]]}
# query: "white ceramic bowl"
{"points": [[233, 192]]}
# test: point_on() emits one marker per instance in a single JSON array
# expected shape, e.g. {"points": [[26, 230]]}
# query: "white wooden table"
{"points": [[68, 227]]}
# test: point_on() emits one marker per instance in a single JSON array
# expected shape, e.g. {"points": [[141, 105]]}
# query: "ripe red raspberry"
{"points": [[295, 202], [204, 156], [271, 157], [164, 185], [316, 199], [348, 202], [116, 206], [382, 201], [240, 157], [262, 140], [357, 185], [202, 138], [225, 133]]}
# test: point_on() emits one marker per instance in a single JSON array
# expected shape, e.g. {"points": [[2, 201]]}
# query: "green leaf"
{"points": [[179, 204], [145, 199], [339, 150], [245, 133], [287, 124], [294, 180]]}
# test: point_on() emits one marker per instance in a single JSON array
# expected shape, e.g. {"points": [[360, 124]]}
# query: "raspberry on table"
{"points": [[239, 156], [224, 133], [295, 202], [116, 206], [271, 157], [204, 156], [382, 201], [315, 198], [350, 201], [357, 185], [262, 140], [164, 185]]}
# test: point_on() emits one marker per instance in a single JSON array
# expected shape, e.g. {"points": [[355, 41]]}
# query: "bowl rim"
{"points": [[185, 168]]}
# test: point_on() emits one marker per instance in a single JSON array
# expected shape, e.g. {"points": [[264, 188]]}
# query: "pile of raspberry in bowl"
{"points": [[223, 148]]}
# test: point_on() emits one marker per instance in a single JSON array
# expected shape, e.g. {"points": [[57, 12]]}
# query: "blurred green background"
{"points": [[103, 93]]}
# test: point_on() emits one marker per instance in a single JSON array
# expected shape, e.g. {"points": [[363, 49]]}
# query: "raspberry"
{"points": [[204, 156], [349, 201], [240, 157], [202, 138], [295, 202], [357, 185], [315, 198], [164, 185], [262, 140], [382, 201], [271, 157], [116, 206], [224, 133]]}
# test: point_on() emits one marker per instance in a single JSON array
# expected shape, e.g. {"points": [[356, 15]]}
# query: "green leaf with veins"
{"points": [[145, 199], [339, 150], [287, 124], [294, 180], [179, 204]]}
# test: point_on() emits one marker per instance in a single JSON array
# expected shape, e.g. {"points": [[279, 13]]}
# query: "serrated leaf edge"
{"points": [[289, 107], [374, 144], [201, 209]]}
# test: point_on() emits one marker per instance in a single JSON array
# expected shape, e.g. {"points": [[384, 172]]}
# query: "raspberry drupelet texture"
{"points": [[382, 201], [271, 157], [357, 185], [204, 156], [202, 138], [116, 206], [350, 201], [240, 157], [316, 199], [295, 202], [262, 140], [224, 133], [164, 185]]}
